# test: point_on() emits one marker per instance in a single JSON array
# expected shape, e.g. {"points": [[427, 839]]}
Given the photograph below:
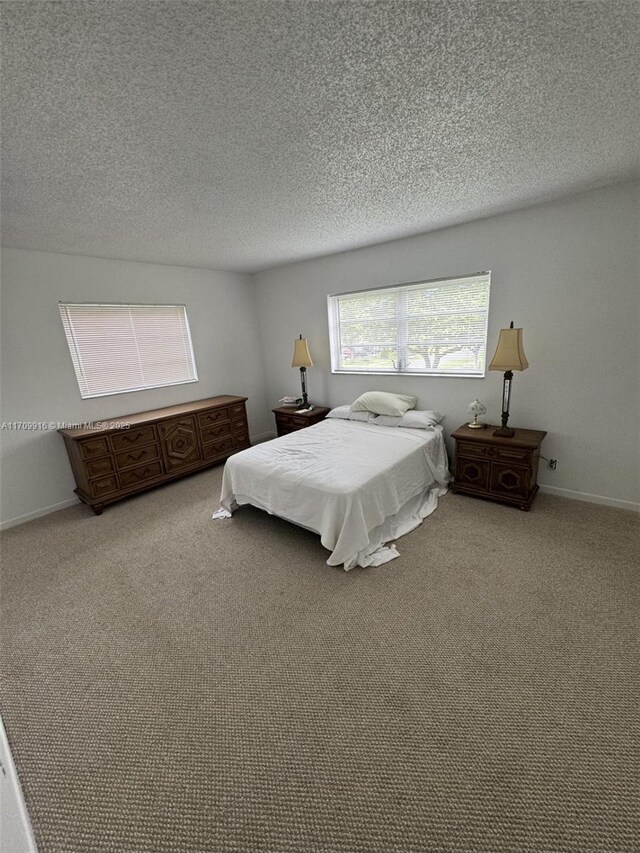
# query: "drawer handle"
{"points": [[133, 437], [140, 474], [137, 456]]}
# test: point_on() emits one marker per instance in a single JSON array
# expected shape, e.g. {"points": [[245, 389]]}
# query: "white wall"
{"points": [[567, 272], [38, 382]]}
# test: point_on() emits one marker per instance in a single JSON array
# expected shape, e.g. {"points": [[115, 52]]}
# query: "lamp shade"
{"points": [[301, 354], [509, 354]]}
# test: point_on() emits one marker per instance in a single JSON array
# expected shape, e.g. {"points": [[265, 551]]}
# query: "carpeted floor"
{"points": [[173, 683]]}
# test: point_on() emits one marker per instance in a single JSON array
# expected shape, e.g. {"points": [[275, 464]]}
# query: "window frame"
{"points": [[77, 356], [402, 344]]}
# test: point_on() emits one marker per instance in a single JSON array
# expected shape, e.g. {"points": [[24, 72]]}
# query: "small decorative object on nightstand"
{"points": [[289, 419], [500, 469], [476, 408]]}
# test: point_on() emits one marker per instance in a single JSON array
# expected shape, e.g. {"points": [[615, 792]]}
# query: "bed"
{"points": [[358, 485]]}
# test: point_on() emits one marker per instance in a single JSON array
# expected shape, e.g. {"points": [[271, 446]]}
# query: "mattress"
{"points": [[358, 485]]}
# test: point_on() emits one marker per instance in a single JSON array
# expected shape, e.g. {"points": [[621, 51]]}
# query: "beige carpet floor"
{"points": [[173, 683]]}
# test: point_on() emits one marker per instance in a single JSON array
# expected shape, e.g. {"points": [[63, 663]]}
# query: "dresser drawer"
{"points": [[215, 416], [218, 448], [104, 486], [466, 448], [239, 428], [92, 447], [138, 475], [99, 467], [136, 456], [135, 437], [241, 439], [211, 433], [238, 410]]}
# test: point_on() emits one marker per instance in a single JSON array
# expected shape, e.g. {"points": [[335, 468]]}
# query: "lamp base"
{"points": [[476, 425], [504, 432]]}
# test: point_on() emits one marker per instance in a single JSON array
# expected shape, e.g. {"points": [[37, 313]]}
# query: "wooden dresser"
{"points": [[496, 468], [117, 458], [289, 419]]}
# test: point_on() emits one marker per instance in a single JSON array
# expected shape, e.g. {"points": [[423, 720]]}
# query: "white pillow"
{"points": [[412, 420], [345, 413], [420, 419], [384, 403]]}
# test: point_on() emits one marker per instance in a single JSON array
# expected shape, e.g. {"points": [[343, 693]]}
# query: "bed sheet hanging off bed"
{"points": [[358, 485]]}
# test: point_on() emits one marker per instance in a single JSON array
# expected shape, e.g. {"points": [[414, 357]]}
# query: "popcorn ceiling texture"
{"points": [[241, 135]]}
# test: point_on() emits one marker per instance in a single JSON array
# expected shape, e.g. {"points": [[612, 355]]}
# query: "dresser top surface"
{"points": [[115, 424]]}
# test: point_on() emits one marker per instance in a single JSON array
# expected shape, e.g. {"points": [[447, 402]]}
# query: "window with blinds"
{"points": [[120, 348], [437, 328]]}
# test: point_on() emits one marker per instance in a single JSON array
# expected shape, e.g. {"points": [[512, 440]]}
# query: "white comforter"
{"points": [[357, 485]]}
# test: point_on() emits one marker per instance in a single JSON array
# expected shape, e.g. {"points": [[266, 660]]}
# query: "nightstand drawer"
{"points": [[516, 454], [292, 421], [484, 451]]}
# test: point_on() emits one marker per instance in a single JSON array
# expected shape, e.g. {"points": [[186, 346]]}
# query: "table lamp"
{"points": [[509, 356], [302, 359]]}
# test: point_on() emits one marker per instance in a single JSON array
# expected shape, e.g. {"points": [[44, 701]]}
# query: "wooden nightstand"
{"points": [[289, 419], [498, 469]]}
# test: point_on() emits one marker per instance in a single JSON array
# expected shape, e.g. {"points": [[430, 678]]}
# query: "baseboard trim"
{"points": [[592, 499], [29, 516], [263, 436], [17, 833]]}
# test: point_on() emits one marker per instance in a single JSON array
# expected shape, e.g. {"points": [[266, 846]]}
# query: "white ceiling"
{"points": [[235, 134]]}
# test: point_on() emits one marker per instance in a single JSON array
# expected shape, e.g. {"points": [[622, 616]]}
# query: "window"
{"points": [[437, 328], [118, 348]]}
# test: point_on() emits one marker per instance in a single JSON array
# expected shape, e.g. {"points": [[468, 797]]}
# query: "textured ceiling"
{"points": [[240, 135]]}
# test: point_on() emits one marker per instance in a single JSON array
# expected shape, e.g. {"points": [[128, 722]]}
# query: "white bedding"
{"points": [[358, 485]]}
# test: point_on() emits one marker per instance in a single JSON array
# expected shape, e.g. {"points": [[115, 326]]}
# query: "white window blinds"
{"points": [[119, 348], [438, 328]]}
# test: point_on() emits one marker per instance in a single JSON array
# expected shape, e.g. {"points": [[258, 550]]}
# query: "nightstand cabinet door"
{"points": [[474, 473], [497, 468]]}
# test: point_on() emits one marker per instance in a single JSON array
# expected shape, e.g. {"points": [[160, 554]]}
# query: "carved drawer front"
{"points": [[237, 410], [137, 456], [466, 448], [292, 422], [215, 416], [134, 437], [514, 454], [510, 480], [138, 475], [240, 432], [98, 467], [218, 448], [92, 447], [471, 472], [180, 442], [104, 486], [210, 433]]}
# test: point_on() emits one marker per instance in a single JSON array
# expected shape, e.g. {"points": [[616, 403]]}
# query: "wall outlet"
{"points": [[553, 464]]}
